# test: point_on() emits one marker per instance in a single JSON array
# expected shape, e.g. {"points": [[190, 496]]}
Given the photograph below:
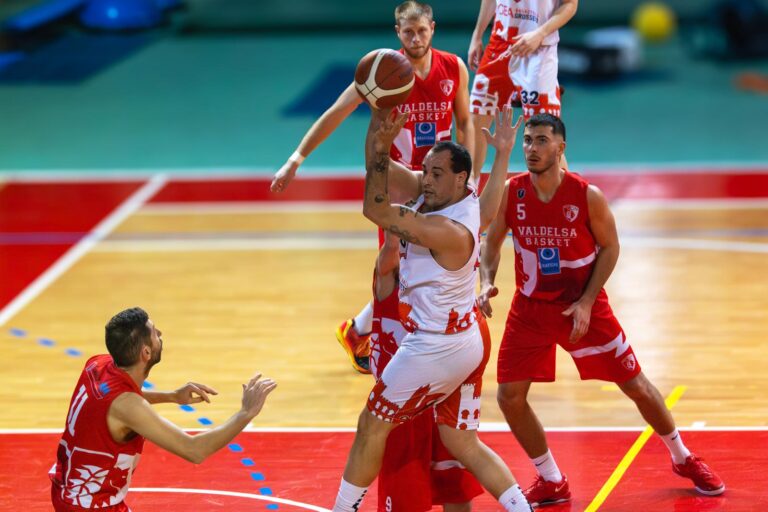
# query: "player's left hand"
{"points": [[581, 311], [526, 44], [503, 138], [193, 393]]}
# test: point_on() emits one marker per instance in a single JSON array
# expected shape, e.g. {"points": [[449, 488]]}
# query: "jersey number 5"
{"points": [[520, 211]]}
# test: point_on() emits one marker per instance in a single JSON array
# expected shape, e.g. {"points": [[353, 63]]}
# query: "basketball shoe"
{"points": [[543, 492], [705, 480], [357, 347]]}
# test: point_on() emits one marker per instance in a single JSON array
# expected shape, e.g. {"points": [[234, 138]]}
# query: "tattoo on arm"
{"points": [[404, 234]]}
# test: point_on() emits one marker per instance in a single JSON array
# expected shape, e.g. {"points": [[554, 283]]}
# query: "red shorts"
{"points": [[492, 87], [418, 472], [534, 329]]}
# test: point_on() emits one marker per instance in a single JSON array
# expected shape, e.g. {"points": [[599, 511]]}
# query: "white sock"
{"points": [[513, 500], [676, 447], [364, 320], [349, 497], [547, 467]]}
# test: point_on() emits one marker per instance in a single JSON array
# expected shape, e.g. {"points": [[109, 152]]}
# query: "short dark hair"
{"points": [[125, 334], [461, 161], [554, 122]]}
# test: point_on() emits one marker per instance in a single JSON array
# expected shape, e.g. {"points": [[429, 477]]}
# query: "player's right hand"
{"points": [[284, 176], [255, 394], [487, 292], [475, 53]]}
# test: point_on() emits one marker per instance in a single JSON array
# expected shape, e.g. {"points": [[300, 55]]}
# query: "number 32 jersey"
{"points": [[555, 249], [92, 470]]}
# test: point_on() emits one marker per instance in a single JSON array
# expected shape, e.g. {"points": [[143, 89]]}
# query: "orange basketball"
{"points": [[384, 78]]}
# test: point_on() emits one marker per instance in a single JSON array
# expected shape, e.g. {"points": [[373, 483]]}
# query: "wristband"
{"points": [[296, 157]]}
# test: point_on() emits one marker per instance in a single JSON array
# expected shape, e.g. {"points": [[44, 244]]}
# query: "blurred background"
{"points": [[214, 86]]}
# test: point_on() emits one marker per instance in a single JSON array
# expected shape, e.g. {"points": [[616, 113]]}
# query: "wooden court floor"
{"points": [[239, 287]]}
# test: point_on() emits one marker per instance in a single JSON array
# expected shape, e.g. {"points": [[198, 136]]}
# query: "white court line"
{"points": [[332, 243], [77, 251], [246, 495], [484, 427], [218, 208]]}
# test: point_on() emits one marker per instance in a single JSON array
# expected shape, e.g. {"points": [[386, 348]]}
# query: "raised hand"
{"points": [[193, 393], [386, 132], [255, 394], [503, 138]]}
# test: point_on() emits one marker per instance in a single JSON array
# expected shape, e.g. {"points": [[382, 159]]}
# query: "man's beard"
{"points": [[414, 56], [156, 356]]}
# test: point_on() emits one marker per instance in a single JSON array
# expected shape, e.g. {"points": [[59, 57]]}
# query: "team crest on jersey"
{"points": [[571, 212], [629, 362], [520, 193], [446, 86]]}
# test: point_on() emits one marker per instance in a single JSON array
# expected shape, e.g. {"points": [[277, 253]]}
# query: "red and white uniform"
{"points": [[430, 109], [92, 470], [442, 359], [555, 252], [502, 78], [417, 471]]}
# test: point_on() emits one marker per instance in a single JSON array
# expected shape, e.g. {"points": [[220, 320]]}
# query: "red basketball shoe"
{"points": [[704, 479], [543, 492], [357, 347]]}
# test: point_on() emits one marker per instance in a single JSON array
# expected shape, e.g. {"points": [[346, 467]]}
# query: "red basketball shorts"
{"points": [[534, 329]]}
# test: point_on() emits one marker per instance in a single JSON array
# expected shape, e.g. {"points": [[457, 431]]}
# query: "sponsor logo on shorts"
{"points": [[629, 362], [446, 86], [425, 134], [549, 260], [570, 211]]}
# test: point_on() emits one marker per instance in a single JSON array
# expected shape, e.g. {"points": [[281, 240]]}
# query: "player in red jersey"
{"points": [[566, 247], [519, 64], [110, 416], [439, 97]]}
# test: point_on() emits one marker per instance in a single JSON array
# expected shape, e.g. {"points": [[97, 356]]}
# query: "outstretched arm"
{"points": [[133, 413], [603, 227], [345, 104], [490, 256], [503, 140], [190, 393], [484, 17], [465, 129]]}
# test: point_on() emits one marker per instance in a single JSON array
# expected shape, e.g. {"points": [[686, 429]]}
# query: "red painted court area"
{"points": [[305, 468]]}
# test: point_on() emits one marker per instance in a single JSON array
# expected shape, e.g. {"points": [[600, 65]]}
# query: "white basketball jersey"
{"points": [[525, 16], [433, 299]]}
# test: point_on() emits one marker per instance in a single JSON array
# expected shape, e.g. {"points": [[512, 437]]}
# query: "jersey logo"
{"points": [[520, 193], [571, 212], [425, 134], [549, 260], [446, 86], [629, 362]]}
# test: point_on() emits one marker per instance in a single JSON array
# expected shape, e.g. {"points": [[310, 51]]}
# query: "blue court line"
{"points": [[19, 333], [186, 408], [257, 476], [235, 447], [266, 491], [73, 352], [204, 421], [272, 506], [46, 342], [147, 385], [247, 462]]}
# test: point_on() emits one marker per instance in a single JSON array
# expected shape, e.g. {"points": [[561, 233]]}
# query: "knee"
{"points": [[638, 389], [369, 427], [511, 400]]}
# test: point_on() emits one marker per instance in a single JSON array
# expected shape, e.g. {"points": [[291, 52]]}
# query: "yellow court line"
{"points": [[609, 485]]}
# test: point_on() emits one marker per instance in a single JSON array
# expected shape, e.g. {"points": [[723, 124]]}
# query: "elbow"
{"points": [[372, 213], [195, 457]]}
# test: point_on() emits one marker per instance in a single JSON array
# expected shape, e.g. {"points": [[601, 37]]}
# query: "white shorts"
{"points": [[430, 369], [534, 79]]}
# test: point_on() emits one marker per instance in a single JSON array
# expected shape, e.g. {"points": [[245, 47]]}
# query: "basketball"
{"points": [[654, 21], [384, 78]]}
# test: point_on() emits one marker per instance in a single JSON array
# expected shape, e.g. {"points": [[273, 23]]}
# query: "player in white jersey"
{"points": [[441, 361], [519, 64]]}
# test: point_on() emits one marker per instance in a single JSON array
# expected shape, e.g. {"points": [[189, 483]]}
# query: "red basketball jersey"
{"points": [[430, 109], [92, 470], [554, 246]]}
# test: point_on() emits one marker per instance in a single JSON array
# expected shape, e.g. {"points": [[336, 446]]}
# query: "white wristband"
{"points": [[296, 157]]}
